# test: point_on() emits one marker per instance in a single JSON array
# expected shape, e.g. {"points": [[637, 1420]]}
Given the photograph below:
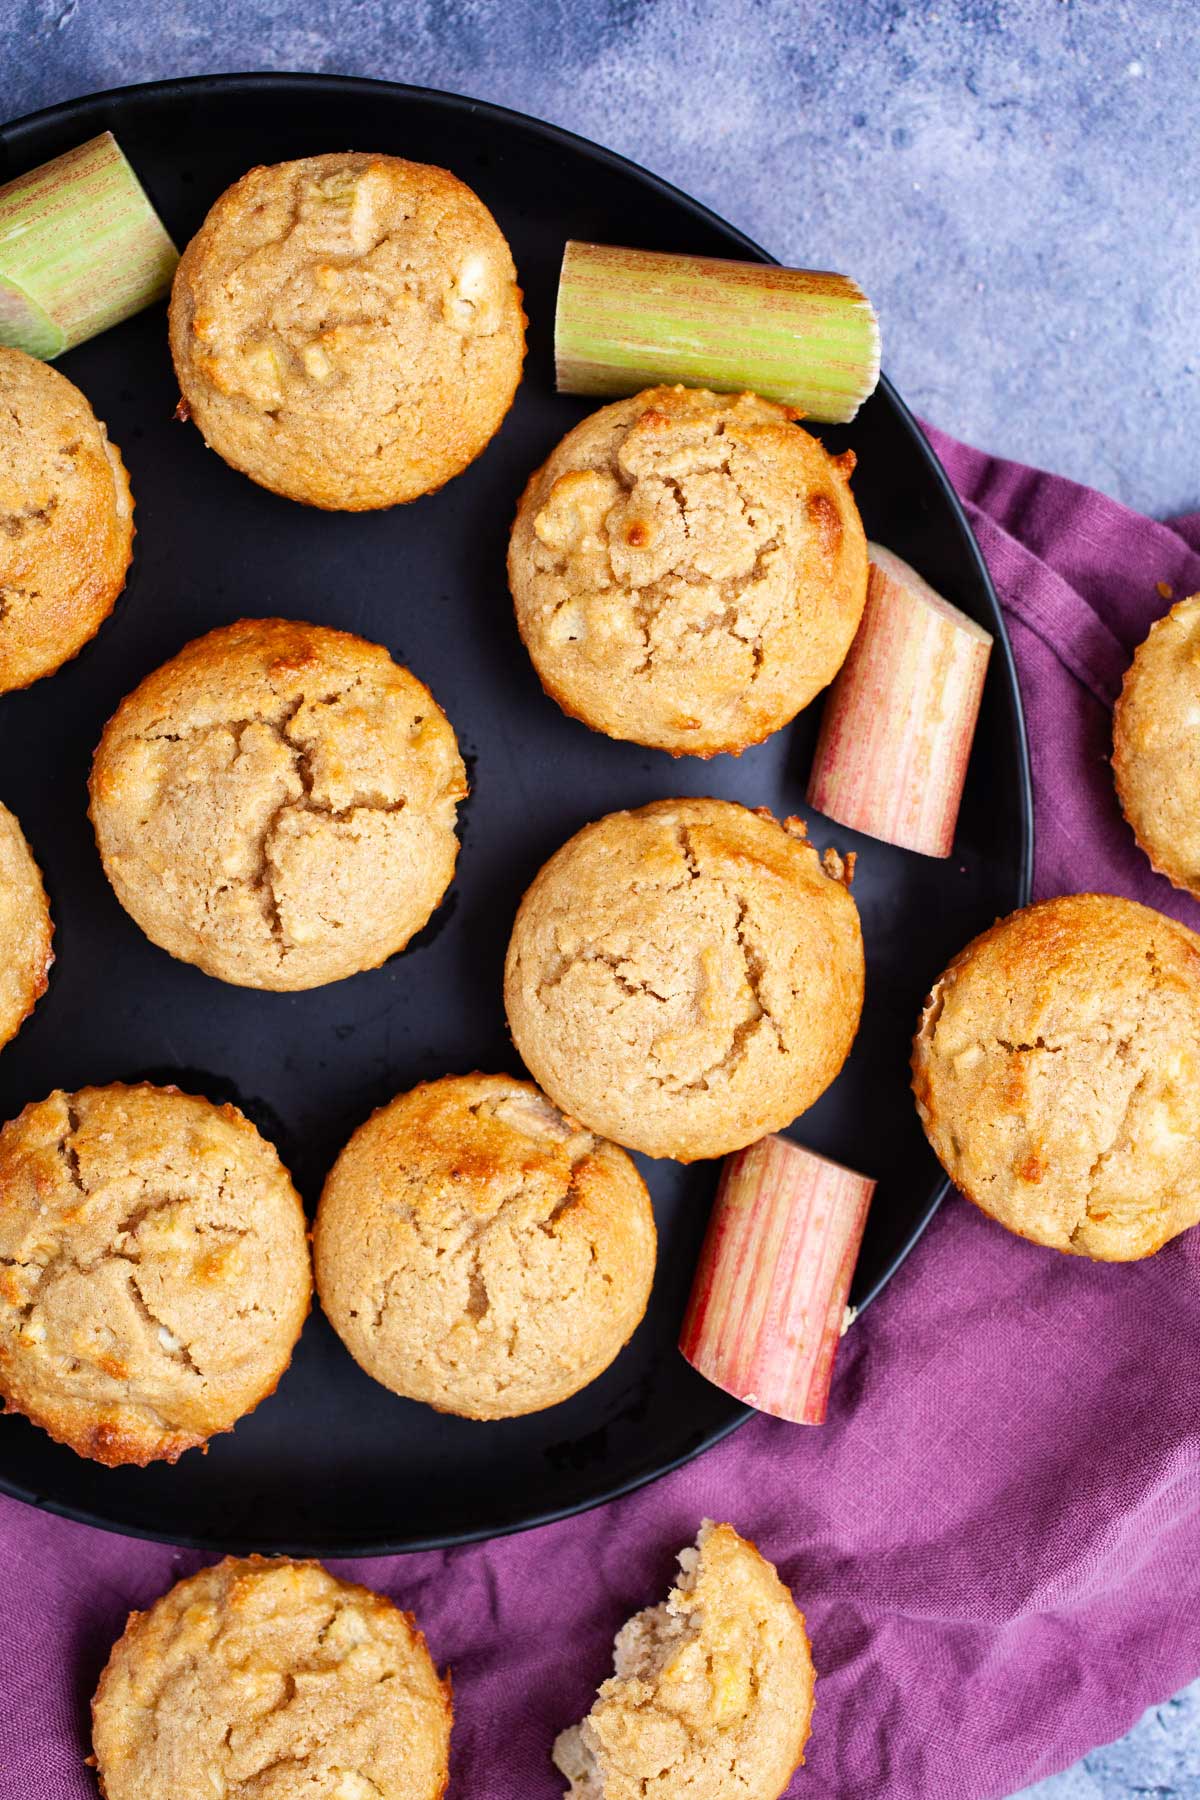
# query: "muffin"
{"points": [[1057, 1075], [276, 804], [154, 1271], [25, 930], [713, 1692], [686, 978], [265, 1679], [66, 520], [476, 1250], [688, 569], [347, 329], [1156, 745]]}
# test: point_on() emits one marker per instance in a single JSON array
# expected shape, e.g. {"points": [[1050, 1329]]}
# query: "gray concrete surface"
{"points": [[1015, 182]]}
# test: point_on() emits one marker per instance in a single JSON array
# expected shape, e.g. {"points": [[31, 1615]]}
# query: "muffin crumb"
{"points": [[712, 1691]]}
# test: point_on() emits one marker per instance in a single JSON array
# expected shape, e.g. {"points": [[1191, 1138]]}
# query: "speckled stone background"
{"points": [[1015, 182]]}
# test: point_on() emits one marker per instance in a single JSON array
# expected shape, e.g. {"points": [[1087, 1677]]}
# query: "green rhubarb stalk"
{"points": [[81, 248], [628, 319]]}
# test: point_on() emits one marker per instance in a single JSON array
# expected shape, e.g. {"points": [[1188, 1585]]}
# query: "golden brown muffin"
{"points": [[66, 520], [478, 1251], [1156, 745], [713, 1692], [276, 804], [686, 978], [25, 930], [1057, 1075], [347, 330], [154, 1271], [688, 569], [265, 1679]]}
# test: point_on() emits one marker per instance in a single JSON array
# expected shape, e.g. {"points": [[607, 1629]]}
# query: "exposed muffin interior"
{"points": [[711, 1691], [347, 329], [688, 569], [154, 1270], [277, 804], [267, 1680], [480, 1252], [66, 520]]}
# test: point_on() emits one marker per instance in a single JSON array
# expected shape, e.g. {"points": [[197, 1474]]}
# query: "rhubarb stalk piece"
{"points": [[895, 737], [769, 1301], [630, 319], [81, 248]]}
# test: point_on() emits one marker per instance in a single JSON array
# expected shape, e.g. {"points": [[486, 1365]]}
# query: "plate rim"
{"points": [[12, 133]]}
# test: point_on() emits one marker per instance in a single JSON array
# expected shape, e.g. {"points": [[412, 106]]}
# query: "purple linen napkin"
{"points": [[995, 1537]]}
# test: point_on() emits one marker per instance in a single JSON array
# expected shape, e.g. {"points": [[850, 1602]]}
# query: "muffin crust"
{"points": [[66, 520], [687, 977], [276, 804], [266, 1679], [1057, 1075], [347, 329], [1156, 745], [154, 1271], [478, 1251], [25, 930], [688, 569], [713, 1691]]}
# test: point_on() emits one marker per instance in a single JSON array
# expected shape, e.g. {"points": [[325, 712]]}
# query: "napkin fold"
{"points": [[996, 1535]]}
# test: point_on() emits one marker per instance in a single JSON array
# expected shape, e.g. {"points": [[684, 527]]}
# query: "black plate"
{"points": [[333, 1463]]}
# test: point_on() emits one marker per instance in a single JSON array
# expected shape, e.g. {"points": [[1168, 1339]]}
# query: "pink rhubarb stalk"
{"points": [[769, 1299], [896, 733]]}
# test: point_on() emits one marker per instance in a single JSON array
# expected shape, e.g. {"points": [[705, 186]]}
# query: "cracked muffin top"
{"points": [[26, 932], [66, 520], [712, 1694], [277, 803], [266, 1679], [1156, 745], [347, 329], [688, 569], [154, 1271], [477, 1250], [686, 978], [1057, 1075]]}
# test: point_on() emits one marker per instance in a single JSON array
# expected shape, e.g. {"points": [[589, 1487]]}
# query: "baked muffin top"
{"points": [[688, 569], [347, 329], [478, 1251], [154, 1271], [713, 1692], [1057, 1074], [276, 804], [1156, 745], [25, 929], [687, 977], [268, 1680], [66, 520]]}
